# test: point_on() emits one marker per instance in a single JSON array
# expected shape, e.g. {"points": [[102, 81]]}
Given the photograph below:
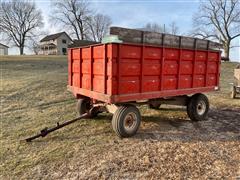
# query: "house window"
{"points": [[64, 50], [64, 41]]}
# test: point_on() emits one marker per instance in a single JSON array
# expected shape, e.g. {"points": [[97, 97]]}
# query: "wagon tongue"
{"points": [[44, 132]]}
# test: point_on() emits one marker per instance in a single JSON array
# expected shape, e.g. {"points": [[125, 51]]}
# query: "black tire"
{"points": [[84, 106], [154, 106], [94, 112], [198, 107], [126, 121]]}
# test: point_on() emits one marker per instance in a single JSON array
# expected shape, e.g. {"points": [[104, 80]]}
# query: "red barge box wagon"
{"points": [[115, 77]]}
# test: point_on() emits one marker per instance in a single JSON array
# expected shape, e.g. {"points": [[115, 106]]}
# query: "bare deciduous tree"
{"points": [[34, 42], [153, 27], [73, 14], [173, 28], [19, 20], [35, 47], [218, 19], [99, 26]]}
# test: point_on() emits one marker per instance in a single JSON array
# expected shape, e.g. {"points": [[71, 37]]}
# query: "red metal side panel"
{"points": [[127, 72], [98, 69], [112, 55], [164, 69], [151, 69], [70, 67], [86, 68], [90, 69], [76, 67]]}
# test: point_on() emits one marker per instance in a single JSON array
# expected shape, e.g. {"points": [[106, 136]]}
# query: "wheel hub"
{"points": [[130, 121], [201, 107]]}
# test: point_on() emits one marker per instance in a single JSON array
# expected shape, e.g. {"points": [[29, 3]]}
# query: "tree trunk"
{"points": [[226, 51], [21, 49], [81, 33]]}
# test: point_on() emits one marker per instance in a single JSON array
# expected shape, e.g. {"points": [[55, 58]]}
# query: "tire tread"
{"points": [[117, 121], [191, 107]]}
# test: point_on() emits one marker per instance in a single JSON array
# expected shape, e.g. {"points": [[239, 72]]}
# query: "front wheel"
{"points": [[126, 121], [84, 106], [198, 107]]}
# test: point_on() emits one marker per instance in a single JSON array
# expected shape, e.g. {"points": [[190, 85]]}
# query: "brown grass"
{"points": [[168, 145]]}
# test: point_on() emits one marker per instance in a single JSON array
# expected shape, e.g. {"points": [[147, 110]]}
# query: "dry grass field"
{"points": [[168, 145]]}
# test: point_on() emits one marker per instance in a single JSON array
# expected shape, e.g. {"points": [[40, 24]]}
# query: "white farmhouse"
{"points": [[55, 44], [3, 49]]}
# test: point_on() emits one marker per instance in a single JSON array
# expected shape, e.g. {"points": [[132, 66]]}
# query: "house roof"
{"points": [[49, 44], [4, 45], [53, 36], [80, 43]]}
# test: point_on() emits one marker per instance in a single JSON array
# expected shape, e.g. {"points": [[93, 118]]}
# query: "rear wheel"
{"points": [[126, 121], [198, 107]]}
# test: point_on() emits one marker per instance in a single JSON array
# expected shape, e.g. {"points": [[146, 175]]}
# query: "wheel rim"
{"points": [[201, 107], [130, 121]]}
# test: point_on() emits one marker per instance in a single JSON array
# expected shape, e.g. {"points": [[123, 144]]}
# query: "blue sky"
{"points": [[137, 13]]}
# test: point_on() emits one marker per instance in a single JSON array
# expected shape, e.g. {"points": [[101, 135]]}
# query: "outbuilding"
{"points": [[3, 49]]}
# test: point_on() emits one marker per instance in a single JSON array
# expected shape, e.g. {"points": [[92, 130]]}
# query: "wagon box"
{"points": [[115, 73], [114, 77]]}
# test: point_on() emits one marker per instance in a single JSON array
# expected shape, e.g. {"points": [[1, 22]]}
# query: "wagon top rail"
{"points": [[163, 39]]}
